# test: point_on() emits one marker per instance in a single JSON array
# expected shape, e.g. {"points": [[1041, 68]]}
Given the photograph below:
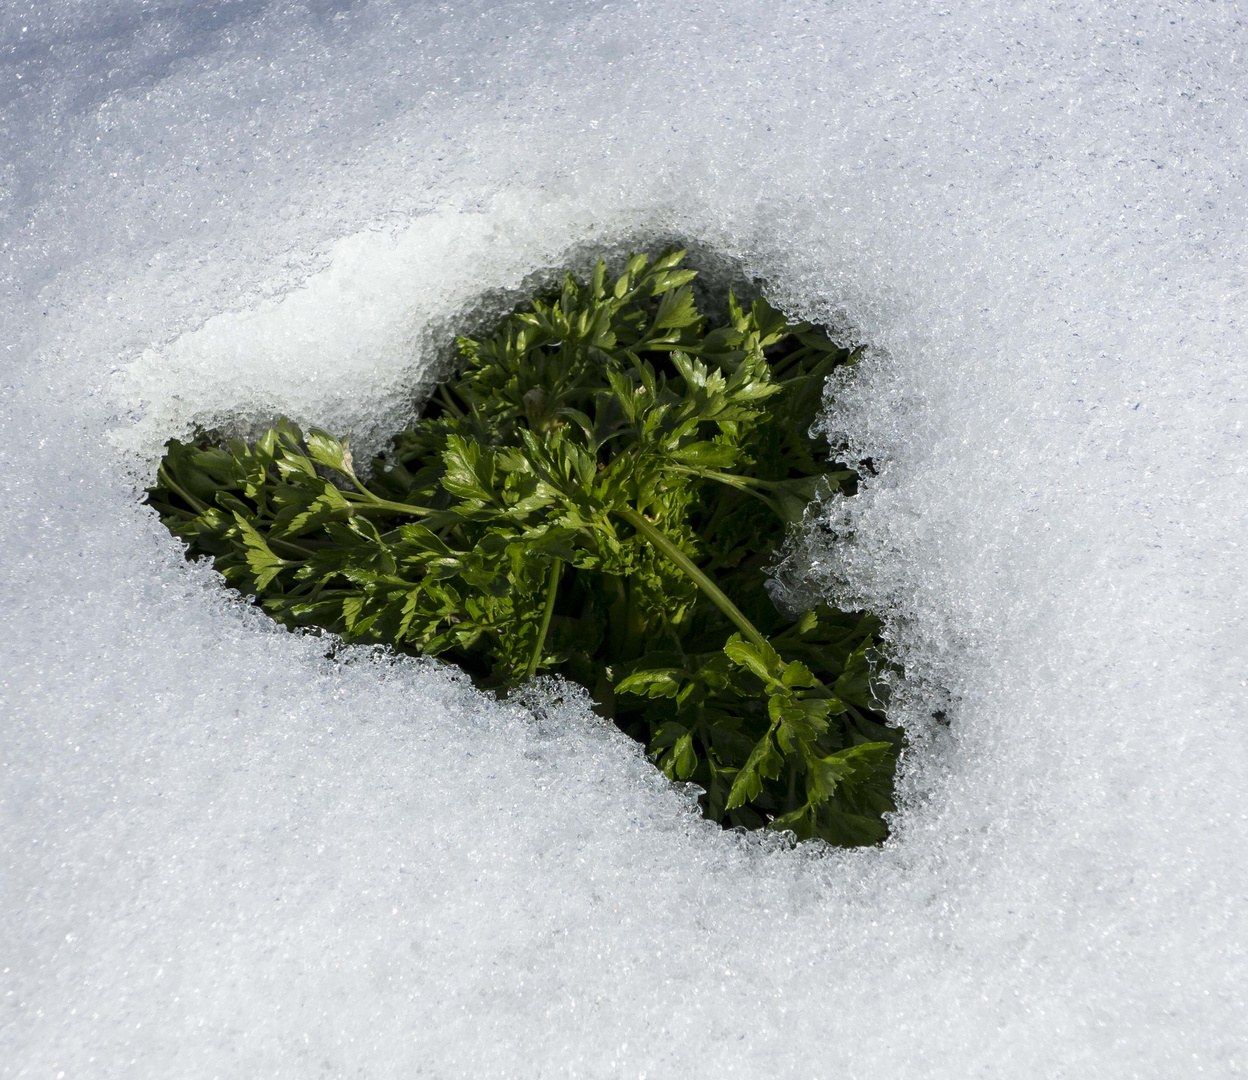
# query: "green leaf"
{"points": [[676, 310], [326, 505], [764, 763], [708, 455], [682, 758], [824, 775], [664, 682], [263, 564], [763, 661], [469, 469], [798, 674], [324, 449]]}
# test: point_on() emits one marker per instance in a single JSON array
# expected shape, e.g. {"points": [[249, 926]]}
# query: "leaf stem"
{"points": [[362, 489], [552, 587], [742, 483], [713, 592], [854, 712], [446, 401], [376, 504], [190, 499], [307, 553], [747, 484]]}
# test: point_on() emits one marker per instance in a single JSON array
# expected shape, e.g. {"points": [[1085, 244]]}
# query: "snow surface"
{"points": [[225, 855]]}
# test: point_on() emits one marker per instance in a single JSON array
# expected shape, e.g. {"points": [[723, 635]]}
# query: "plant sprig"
{"points": [[597, 494]]}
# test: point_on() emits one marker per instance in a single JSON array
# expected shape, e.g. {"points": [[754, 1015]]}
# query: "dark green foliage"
{"points": [[596, 495]]}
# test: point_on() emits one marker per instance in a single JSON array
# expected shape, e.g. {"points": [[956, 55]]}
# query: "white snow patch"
{"points": [[224, 854]]}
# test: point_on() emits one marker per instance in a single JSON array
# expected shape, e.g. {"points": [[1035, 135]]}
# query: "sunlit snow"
{"points": [[224, 854]]}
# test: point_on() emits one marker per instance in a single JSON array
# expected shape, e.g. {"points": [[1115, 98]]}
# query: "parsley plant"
{"points": [[596, 495]]}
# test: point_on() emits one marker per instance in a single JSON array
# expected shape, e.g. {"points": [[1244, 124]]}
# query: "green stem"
{"points": [[855, 712], [299, 549], [634, 626], [552, 587], [445, 398], [748, 484], [741, 483], [713, 592], [376, 504], [190, 499], [371, 496], [362, 489], [788, 362]]}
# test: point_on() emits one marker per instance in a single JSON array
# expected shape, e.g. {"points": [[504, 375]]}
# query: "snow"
{"points": [[225, 854]]}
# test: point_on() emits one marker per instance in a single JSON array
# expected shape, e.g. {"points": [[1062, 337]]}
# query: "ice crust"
{"points": [[224, 854]]}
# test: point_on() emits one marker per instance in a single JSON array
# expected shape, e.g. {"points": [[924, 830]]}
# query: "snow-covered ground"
{"points": [[224, 855]]}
